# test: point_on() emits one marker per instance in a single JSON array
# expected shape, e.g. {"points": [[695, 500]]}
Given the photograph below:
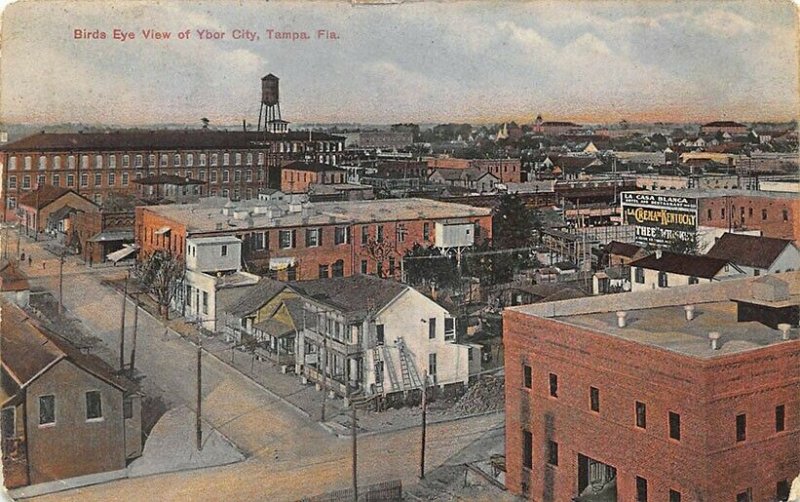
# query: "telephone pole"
{"points": [[354, 434], [424, 424], [198, 423], [122, 324], [61, 284], [135, 329]]}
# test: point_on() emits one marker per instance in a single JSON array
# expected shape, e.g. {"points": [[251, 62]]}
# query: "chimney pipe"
{"points": [[714, 337], [621, 318], [689, 309], [658, 254], [785, 329]]}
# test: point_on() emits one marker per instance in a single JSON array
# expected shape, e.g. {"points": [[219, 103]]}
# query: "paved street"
{"points": [[289, 455]]}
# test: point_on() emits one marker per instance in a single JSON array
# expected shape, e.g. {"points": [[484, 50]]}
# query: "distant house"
{"points": [[571, 167], [14, 285], [757, 255], [622, 253], [471, 178], [377, 338], [34, 208], [64, 413], [297, 176], [664, 269]]}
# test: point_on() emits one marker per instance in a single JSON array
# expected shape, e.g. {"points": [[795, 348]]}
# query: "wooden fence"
{"points": [[388, 491]]}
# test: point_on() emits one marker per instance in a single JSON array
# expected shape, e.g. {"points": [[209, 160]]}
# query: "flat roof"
{"points": [[207, 215], [222, 239], [658, 318], [698, 193]]}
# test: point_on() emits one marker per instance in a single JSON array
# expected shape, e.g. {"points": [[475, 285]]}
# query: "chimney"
{"points": [[689, 309], [658, 254], [785, 330], [621, 318], [714, 337]]}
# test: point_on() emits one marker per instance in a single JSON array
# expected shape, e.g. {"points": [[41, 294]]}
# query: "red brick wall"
{"points": [[145, 226], [701, 465], [773, 226], [297, 181]]}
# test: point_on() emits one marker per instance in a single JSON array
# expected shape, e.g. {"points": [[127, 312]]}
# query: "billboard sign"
{"points": [[659, 218]]}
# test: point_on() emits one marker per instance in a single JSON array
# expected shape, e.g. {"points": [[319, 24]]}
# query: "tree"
{"points": [[161, 274], [424, 266], [683, 243], [514, 224]]}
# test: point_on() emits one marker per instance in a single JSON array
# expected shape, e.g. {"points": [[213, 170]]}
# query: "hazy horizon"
{"points": [[463, 62]]}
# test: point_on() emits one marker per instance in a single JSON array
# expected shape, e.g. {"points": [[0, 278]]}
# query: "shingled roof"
{"points": [[255, 297], [683, 264], [42, 196], [352, 295], [748, 250], [623, 249]]}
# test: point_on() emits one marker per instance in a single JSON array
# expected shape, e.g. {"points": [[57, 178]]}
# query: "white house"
{"points": [[664, 269], [757, 255], [380, 337]]}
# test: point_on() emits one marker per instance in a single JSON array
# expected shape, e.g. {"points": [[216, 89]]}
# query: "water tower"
{"points": [[270, 106]]}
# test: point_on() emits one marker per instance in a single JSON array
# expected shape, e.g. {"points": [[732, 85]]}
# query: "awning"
{"points": [[121, 235], [281, 263], [162, 230], [122, 253]]}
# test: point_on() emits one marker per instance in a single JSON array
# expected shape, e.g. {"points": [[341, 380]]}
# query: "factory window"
{"points": [[286, 239], [164, 160], [641, 489], [125, 179], [341, 235], [594, 399], [98, 179], [553, 385], [746, 496], [176, 160], [201, 175], [338, 268], [47, 409], [214, 159], [112, 179], [70, 180], [126, 161], [151, 160], [674, 496], [12, 202], [780, 418], [379, 233], [639, 275], [98, 161], [137, 161], [741, 427], [94, 405], [26, 182], [323, 271], [431, 328], [249, 159], [238, 159], [84, 162], [364, 235], [261, 158], [663, 282], [674, 426], [763, 214], [527, 449], [722, 212], [364, 267], [112, 161], [641, 415], [202, 159], [212, 176], [552, 453], [226, 159], [28, 163], [313, 237], [42, 162], [226, 176], [527, 376], [248, 176], [40, 180], [84, 180], [237, 175], [785, 215], [426, 231], [12, 182], [12, 164]]}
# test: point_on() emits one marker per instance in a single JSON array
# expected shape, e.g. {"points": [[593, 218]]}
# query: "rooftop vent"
{"points": [[785, 329], [689, 309], [658, 254], [714, 337], [622, 318]]}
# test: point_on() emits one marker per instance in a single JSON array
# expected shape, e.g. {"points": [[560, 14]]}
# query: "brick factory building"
{"points": [[296, 177], [301, 241], [507, 170], [97, 165], [685, 394]]}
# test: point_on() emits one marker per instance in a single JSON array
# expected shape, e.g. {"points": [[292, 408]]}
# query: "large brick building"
{"points": [[686, 394], [300, 240], [507, 170], [96, 165]]}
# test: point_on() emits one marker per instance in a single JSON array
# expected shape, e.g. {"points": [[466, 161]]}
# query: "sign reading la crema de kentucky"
{"points": [[658, 218]]}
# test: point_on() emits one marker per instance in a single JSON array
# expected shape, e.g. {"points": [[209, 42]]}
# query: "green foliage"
{"points": [[514, 224], [426, 265]]}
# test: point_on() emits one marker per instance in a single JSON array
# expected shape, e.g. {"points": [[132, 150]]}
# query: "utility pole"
{"points": [[354, 434], [324, 367], [135, 328], [424, 425], [198, 423], [61, 284], [122, 324]]}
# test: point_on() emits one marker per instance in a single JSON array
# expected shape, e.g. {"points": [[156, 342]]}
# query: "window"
{"points": [[56, 180], [745, 496], [127, 408], [84, 180], [224, 250], [42, 162], [205, 302], [379, 334], [674, 426], [137, 161], [237, 176], [594, 399], [337, 270], [112, 179], [782, 490], [98, 161], [364, 235], [391, 267], [431, 328], [238, 159], [70, 180], [286, 239], [126, 161], [201, 175], [214, 159], [426, 231], [125, 177], [639, 275], [26, 182], [780, 418], [226, 159], [750, 212], [552, 453], [641, 489], [709, 214], [553, 385], [212, 176], [741, 427], [641, 415], [527, 449], [763, 214], [226, 176], [164, 160], [364, 267], [248, 176], [249, 159], [663, 282], [432, 365], [674, 496], [527, 376], [261, 158], [785, 215], [98, 179], [112, 161], [202, 159], [12, 182], [694, 280], [94, 405], [401, 232], [722, 212], [188, 296], [12, 163], [449, 328], [40, 180], [47, 410], [341, 235], [313, 237], [323, 271], [28, 162], [176, 160]]}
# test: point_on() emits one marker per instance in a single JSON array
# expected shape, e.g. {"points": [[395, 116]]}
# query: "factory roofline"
{"points": [[657, 318], [207, 217], [157, 140], [698, 193]]}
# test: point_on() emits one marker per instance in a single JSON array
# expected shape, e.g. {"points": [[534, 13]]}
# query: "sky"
{"points": [[423, 62]]}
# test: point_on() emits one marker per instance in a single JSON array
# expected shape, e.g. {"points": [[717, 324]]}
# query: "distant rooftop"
{"points": [[699, 193], [207, 214], [658, 318]]}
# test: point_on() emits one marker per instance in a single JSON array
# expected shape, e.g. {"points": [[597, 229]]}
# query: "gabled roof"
{"points": [[623, 249], [255, 297], [682, 264], [11, 277], [354, 295], [42, 196], [748, 250]]}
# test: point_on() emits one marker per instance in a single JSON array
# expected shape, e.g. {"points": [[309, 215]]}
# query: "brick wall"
{"points": [[706, 464], [775, 217]]}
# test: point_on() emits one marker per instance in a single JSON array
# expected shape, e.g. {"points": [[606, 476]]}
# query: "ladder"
{"points": [[390, 372], [408, 369]]}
